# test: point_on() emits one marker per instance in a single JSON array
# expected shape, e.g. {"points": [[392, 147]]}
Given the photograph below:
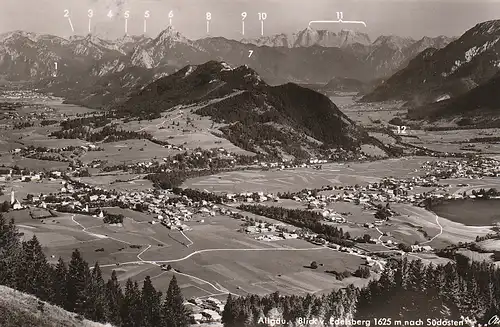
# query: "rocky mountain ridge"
{"points": [[31, 56], [455, 69]]}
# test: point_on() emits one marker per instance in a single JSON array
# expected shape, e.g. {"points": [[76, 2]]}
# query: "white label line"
{"points": [[337, 21], [243, 27], [126, 26], [208, 27], [145, 25], [262, 27], [71, 24]]}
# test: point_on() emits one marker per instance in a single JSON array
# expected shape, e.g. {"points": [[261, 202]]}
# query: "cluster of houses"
{"points": [[287, 164], [207, 310], [467, 168]]}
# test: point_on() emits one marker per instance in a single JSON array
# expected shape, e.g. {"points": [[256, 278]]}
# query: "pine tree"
{"points": [[78, 278], [59, 282], [174, 313], [130, 309], [229, 313], [33, 271], [10, 251], [97, 308], [114, 298], [151, 304]]}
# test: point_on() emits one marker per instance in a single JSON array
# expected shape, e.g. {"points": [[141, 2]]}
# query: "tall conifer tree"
{"points": [[78, 279], [114, 298], [174, 313], [59, 283]]}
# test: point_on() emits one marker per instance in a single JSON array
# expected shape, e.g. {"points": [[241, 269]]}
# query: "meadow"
{"points": [[204, 268]]}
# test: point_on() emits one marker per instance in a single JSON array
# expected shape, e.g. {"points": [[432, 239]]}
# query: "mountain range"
{"points": [[308, 56]]}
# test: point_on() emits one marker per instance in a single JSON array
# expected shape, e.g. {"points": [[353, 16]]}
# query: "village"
{"points": [[74, 196], [179, 212]]}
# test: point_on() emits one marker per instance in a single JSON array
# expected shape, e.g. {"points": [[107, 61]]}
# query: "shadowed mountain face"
{"points": [[453, 70], [256, 116], [479, 106]]}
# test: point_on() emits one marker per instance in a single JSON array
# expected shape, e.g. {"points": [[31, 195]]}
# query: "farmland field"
{"points": [[300, 178], [261, 268]]}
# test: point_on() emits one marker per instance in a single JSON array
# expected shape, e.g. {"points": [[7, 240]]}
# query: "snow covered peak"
{"points": [[348, 37], [310, 37]]}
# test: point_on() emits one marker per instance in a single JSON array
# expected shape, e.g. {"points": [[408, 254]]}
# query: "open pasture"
{"points": [[22, 189], [128, 152], [451, 141], [300, 178], [261, 267], [39, 136], [119, 181], [32, 164], [127, 213], [193, 131], [256, 272]]}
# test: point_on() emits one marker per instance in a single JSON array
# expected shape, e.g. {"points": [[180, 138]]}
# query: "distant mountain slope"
{"points": [[22, 310], [480, 105], [256, 116], [461, 65]]}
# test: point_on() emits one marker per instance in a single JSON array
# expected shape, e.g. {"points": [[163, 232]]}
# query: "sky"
{"points": [[412, 18]]}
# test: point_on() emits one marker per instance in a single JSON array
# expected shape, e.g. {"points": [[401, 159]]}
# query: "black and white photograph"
{"points": [[249, 163]]}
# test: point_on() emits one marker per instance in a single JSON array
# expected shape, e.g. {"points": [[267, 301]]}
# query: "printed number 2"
{"points": [[401, 130]]}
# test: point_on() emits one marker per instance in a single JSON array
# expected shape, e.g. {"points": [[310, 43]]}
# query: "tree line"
{"points": [[406, 290], [302, 219], [77, 288]]}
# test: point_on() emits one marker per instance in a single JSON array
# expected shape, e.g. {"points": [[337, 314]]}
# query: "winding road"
{"points": [[219, 289], [421, 243], [159, 263]]}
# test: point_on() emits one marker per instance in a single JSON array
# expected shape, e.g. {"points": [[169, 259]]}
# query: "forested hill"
{"points": [[258, 117]]}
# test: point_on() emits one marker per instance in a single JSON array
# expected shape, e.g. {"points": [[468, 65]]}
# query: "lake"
{"points": [[470, 212]]}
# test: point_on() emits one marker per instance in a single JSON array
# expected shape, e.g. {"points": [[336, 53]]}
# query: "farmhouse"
{"points": [[211, 315]]}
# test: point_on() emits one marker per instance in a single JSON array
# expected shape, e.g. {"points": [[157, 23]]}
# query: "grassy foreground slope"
{"points": [[18, 309]]}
